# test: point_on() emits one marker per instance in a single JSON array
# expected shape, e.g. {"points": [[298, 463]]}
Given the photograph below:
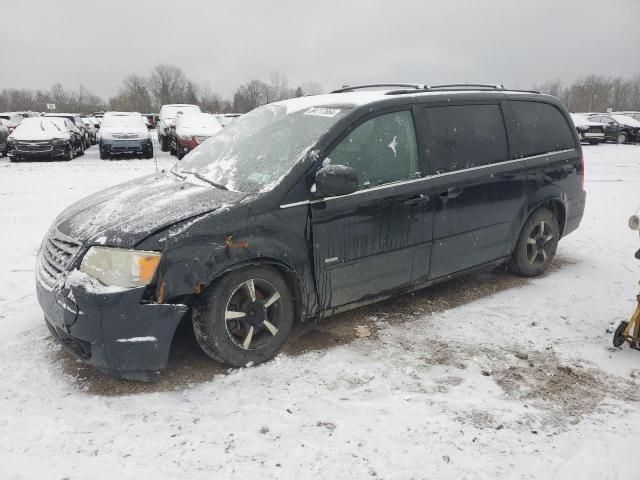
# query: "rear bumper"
{"points": [[575, 211], [113, 332]]}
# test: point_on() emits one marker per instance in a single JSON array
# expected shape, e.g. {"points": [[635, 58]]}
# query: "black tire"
{"points": [[173, 150], [537, 244], [68, 153], [180, 155], [81, 148], [103, 155], [164, 143], [594, 142], [618, 337], [149, 153], [621, 138], [225, 339]]}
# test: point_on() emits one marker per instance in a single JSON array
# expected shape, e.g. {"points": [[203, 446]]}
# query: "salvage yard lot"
{"points": [[487, 376]]}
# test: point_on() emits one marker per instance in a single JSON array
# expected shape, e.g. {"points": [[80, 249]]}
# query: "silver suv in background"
{"points": [[168, 115]]}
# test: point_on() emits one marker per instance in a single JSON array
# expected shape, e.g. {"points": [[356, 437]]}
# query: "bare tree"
{"points": [[167, 83], [311, 88], [249, 96]]}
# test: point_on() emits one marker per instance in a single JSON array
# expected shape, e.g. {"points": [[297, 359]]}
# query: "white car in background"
{"points": [[123, 133], [168, 114], [589, 131], [191, 129]]}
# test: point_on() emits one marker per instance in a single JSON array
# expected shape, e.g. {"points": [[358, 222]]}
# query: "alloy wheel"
{"points": [[253, 314], [539, 243]]}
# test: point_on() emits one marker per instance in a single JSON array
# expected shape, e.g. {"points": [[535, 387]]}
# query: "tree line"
{"points": [[169, 84], [165, 84], [595, 93]]}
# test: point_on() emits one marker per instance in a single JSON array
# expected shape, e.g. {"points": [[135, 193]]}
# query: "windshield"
{"points": [[35, 124], [170, 111], [624, 119], [255, 151], [123, 121]]}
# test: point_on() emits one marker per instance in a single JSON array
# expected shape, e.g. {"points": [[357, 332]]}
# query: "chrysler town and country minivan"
{"points": [[308, 207]]}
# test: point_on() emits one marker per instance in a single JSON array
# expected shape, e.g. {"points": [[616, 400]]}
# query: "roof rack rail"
{"points": [[348, 88], [472, 86]]}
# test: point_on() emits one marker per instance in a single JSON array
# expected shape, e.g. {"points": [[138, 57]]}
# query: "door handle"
{"points": [[416, 200], [451, 192]]}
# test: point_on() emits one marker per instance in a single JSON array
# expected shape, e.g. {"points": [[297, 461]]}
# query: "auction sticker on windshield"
{"points": [[322, 112]]}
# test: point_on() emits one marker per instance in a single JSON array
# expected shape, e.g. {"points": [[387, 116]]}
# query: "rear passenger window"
{"points": [[381, 150], [541, 128], [464, 136]]}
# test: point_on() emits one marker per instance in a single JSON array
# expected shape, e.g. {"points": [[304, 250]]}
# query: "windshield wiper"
{"points": [[205, 179], [176, 173]]}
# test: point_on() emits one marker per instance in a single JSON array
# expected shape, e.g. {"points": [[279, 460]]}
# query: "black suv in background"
{"points": [[307, 207], [618, 128]]}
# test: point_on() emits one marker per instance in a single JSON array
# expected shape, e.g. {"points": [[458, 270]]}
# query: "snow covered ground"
{"points": [[491, 376]]}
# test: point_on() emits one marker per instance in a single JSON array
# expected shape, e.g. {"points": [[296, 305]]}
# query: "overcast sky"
{"points": [[228, 42]]}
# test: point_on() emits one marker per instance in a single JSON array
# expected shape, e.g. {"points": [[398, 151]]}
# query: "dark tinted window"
{"points": [[381, 150], [464, 136], [541, 128]]}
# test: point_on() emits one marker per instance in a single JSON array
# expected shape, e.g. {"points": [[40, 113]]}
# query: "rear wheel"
{"points": [[621, 138], [164, 143], [537, 244], [245, 317]]}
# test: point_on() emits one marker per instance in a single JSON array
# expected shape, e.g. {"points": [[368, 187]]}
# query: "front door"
{"points": [[376, 239], [480, 192]]}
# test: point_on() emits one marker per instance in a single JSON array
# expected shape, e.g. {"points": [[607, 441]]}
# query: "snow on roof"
{"points": [[364, 97]]}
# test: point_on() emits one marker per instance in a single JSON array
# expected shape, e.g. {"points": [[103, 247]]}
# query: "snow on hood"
{"points": [[126, 214], [204, 131], [39, 129], [143, 132]]}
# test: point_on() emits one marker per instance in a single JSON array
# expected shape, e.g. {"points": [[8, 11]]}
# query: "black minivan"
{"points": [[308, 207]]}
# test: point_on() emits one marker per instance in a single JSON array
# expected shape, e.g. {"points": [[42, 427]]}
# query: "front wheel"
{"points": [[621, 138], [537, 244], [68, 153], [245, 317]]}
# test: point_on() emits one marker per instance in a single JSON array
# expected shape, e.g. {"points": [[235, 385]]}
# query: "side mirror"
{"points": [[334, 180]]}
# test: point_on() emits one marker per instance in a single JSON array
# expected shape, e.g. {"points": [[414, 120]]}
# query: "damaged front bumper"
{"points": [[114, 332]]}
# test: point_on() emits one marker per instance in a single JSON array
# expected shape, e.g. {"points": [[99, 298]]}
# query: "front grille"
{"points": [[56, 255], [124, 135], [33, 147]]}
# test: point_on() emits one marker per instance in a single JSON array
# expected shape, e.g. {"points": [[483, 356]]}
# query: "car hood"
{"points": [[124, 215], [37, 135], [125, 130]]}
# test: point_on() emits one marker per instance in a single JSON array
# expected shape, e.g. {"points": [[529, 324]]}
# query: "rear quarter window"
{"points": [[541, 128], [464, 136]]}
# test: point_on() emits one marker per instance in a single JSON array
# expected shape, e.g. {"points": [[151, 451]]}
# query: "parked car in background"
{"points": [[92, 126], [618, 128], [634, 115], [124, 134], [12, 120], [152, 120], [589, 131], [226, 118], [75, 118], [45, 138], [167, 118], [191, 129], [4, 136], [309, 207]]}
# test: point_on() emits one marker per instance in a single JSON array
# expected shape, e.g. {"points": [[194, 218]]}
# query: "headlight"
{"points": [[121, 268], [184, 136]]}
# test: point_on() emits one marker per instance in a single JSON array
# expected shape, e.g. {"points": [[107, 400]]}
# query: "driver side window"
{"points": [[381, 150]]}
